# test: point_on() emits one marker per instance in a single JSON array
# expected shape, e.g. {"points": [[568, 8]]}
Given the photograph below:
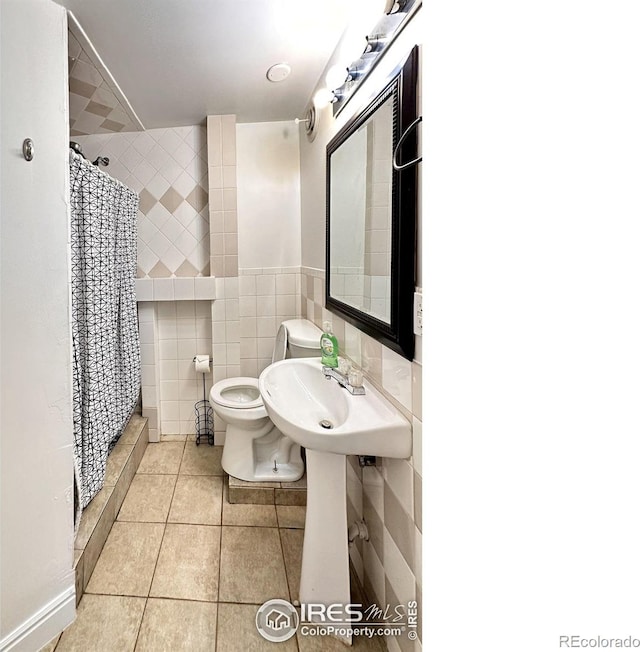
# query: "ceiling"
{"points": [[177, 61]]}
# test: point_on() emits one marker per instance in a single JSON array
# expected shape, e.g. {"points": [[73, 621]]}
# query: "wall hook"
{"points": [[27, 149]]}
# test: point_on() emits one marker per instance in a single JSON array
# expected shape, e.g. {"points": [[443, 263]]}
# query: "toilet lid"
{"points": [[240, 393], [280, 347]]}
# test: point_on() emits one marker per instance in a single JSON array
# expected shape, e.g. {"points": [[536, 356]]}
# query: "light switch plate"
{"points": [[417, 313]]}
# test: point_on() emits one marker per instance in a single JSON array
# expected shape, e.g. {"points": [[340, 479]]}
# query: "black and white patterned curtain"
{"points": [[106, 344]]}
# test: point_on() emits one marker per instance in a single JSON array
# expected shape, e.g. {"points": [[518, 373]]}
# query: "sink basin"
{"points": [[330, 423], [320, 415]]}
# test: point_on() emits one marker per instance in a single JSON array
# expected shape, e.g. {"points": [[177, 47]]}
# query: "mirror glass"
{"points": [[360, 208], [371, 214]]}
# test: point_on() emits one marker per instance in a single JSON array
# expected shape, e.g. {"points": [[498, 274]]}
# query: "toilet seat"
{"points": [[241, 393]]}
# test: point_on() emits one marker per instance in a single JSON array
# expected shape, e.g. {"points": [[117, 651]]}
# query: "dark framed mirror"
{"points": [[371, 214]]}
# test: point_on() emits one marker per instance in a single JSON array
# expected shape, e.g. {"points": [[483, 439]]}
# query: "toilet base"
{"points": [[254, 459], [288, 472]]}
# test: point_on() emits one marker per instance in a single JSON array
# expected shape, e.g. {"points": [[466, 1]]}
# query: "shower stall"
{"points": [[106, 346]]}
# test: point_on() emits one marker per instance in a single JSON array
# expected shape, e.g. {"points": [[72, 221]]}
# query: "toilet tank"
{"points": [[302, 338]]}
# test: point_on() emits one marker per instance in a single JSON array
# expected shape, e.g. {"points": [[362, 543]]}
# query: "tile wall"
{"points": [[223, 262], [150, 372], [389, 495], [183, 330], [223, 201], [168, 170], [268, 296], [174, 317]]}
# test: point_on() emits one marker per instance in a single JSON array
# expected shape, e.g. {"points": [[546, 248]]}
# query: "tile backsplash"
{"points": [[267, 297]]}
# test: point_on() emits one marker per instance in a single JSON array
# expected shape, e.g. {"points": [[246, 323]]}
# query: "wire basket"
{"points": [[204, 417], [204, 421]]}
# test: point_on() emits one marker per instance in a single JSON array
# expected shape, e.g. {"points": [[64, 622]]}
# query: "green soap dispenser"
{"points": [[329, 346]]}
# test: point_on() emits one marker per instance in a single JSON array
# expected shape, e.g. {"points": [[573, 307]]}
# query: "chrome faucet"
{"points": [[343, 380]]}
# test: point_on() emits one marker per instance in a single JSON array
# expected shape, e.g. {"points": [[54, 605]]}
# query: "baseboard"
{"points": [[45, 624]]}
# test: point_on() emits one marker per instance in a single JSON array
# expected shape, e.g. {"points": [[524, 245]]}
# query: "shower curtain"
{"points": [[106, 345]]}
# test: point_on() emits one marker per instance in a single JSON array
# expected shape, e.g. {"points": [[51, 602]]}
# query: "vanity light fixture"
{"points": [[341, 79], [386, 29]]}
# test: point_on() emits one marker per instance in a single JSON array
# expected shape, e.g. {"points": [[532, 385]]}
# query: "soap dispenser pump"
{"points": [[329, 346]]}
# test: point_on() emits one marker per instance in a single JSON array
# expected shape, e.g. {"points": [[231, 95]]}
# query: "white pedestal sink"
{"points": [[330, 423]]}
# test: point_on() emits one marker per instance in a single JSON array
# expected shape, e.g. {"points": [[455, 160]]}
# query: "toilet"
{"points": [[254, 449]]}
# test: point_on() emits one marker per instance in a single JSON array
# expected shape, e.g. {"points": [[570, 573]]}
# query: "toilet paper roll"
{"points": [[202, 364]]}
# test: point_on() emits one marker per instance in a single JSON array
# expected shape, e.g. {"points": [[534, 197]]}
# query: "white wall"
{"points": [[36, 546], [313, 190], [268, 169]]}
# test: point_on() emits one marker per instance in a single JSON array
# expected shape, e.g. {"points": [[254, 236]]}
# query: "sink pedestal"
{"points": [[325, 552]]}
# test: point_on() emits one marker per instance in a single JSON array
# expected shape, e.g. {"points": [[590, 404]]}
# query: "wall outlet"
{"points": [[417, 313]]}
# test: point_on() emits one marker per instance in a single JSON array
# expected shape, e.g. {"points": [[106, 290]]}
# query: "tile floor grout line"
{"points": [[162, 597], [224, 481], [284, 564], [156, 473], [144, 611], [184, 450], [215, 647], [220, 550], [164, 531], [286, 573], [116, 595], [252, 526]]}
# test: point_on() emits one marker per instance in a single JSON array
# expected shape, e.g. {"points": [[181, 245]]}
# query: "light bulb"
{"points": [[322, 98], [336, 75]]}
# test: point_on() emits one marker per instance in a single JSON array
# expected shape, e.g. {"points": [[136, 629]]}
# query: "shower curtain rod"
{"points": [[73, 153], [77, 148]]}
